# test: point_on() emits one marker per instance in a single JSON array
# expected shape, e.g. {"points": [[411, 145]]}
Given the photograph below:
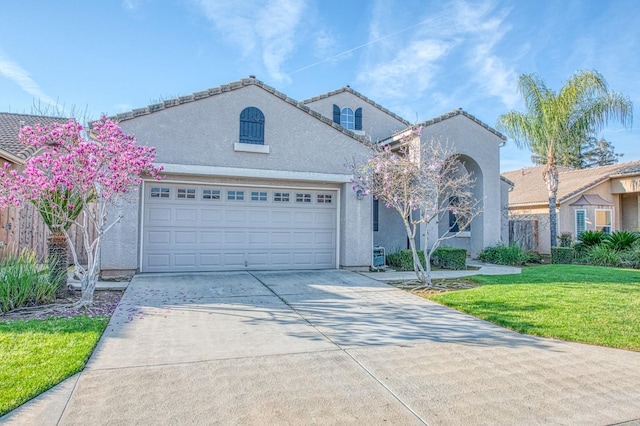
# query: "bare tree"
{"points": [[426, 184]]}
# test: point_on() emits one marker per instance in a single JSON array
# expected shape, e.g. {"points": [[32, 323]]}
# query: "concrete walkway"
{"points": [[326, 347], [482, 269]]}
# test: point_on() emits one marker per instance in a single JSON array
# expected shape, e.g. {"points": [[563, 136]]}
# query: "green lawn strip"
{"points": [[586, 304], [35, 355]]}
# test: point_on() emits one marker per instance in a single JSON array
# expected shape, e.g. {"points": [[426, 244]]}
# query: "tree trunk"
{"points": [[417, 265], [550, 176], [58, 256]]}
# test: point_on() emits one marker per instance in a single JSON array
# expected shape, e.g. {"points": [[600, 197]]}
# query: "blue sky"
{"points": [[420, 59]]}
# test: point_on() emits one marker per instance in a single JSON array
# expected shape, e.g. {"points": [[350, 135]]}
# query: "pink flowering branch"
{"points": [[72, 179]]}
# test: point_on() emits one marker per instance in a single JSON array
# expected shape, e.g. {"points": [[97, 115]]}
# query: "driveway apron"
{"points": [[330, 347]]}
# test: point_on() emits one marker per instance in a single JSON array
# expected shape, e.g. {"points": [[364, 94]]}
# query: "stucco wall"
{"points": [[376, 124], [203, 133], [482, 147]]}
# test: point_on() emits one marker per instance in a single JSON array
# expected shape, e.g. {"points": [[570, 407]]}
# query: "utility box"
{"points": [[378, 257]]}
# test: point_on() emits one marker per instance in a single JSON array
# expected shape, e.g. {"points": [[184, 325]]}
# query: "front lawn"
{"points": [[579, 303], [37, 354]]}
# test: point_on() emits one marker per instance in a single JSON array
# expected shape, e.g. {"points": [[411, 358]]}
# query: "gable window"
{"points": [[252, 126], [160, 192], [581, 222], [210, 194], [347, 118], [235, 195], [603, 221]]}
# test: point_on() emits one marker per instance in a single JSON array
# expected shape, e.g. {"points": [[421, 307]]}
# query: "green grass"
{"points": [[588, 304], [38, 354]]}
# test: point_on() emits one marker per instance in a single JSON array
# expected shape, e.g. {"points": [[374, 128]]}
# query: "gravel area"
{"points": [[105, 302]]}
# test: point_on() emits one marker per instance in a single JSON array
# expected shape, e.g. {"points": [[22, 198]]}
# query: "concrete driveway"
{"points": [[326, 347]]}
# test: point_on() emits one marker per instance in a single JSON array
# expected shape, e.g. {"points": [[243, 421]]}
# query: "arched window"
{"points": [[347, 118], [252, 126]]}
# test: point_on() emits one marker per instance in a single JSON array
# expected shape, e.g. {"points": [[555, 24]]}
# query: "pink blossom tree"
{"points": [[424, 183], [73, 179]]}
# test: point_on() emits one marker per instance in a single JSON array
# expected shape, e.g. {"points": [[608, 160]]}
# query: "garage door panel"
{"points": [[208, 216], [210, 260], [210, 237], [158, 216], [185, 237], [217, 233], [325, 239], [159, 237], [186, 216], [185, 260]]}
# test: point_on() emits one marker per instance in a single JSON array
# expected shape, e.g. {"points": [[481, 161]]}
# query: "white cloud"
{"points": [[14, 72], [253, 25], [458, 41]]}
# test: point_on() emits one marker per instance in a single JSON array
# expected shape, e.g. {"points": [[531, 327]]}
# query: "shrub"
{"points": [[630, 258], [24, 280], [402, 260], [592, 238], [603, 255], [507, 255], [621, 240], [565, 239], [563, 255], [450, 258]]}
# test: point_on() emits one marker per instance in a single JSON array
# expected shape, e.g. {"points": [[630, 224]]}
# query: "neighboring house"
{"points": [[257, 180], [22, 227], [597, 199]]}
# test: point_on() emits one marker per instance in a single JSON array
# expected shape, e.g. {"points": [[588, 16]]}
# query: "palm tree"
{"points": [[555, 124]]}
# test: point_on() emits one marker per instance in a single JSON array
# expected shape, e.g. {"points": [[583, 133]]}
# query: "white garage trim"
{"points": [[186, 169], [173, 203]]}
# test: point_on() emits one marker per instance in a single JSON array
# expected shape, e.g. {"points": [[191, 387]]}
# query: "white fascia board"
{"points": [[188, 169]]}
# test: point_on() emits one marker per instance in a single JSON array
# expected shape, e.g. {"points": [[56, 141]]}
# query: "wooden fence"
{"points": [[524, 233], [23, 227]]}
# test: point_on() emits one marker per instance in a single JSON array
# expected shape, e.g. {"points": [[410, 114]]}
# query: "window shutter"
{"points": [[376, 204], [358, 119], [581, 222], [252, 126], [336, 114]]}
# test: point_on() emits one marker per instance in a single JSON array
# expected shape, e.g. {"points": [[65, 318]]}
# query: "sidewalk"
{"points": [[485, 269]]}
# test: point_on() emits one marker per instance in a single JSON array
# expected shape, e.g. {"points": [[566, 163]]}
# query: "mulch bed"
{"points": [[439, 286], [104, 303]]}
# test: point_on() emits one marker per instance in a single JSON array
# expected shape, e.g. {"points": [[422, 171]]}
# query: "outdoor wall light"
{"points": [[359, 194]]}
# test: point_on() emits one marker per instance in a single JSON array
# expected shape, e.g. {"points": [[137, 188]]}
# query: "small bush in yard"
{"points": [[621, 240], [402, 260], [565, 239], [562, 255], [24, 280], [450, 258], [592, 238], [509, 255], [603, 255]]}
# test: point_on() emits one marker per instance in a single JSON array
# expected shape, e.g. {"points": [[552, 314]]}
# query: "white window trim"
{"points": [[595, 219], [248, 147]]}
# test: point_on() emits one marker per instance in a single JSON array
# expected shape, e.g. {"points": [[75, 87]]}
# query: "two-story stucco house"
{"points": [[257, 180]]}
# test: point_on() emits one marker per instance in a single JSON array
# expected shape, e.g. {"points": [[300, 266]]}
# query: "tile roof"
{"points": [[169, 103], [529, 188], [348, 89], [460, 111], [447, 116], [10, 127]]}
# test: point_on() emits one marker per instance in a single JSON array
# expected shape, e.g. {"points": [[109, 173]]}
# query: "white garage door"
{"points": [[191, 227]]}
